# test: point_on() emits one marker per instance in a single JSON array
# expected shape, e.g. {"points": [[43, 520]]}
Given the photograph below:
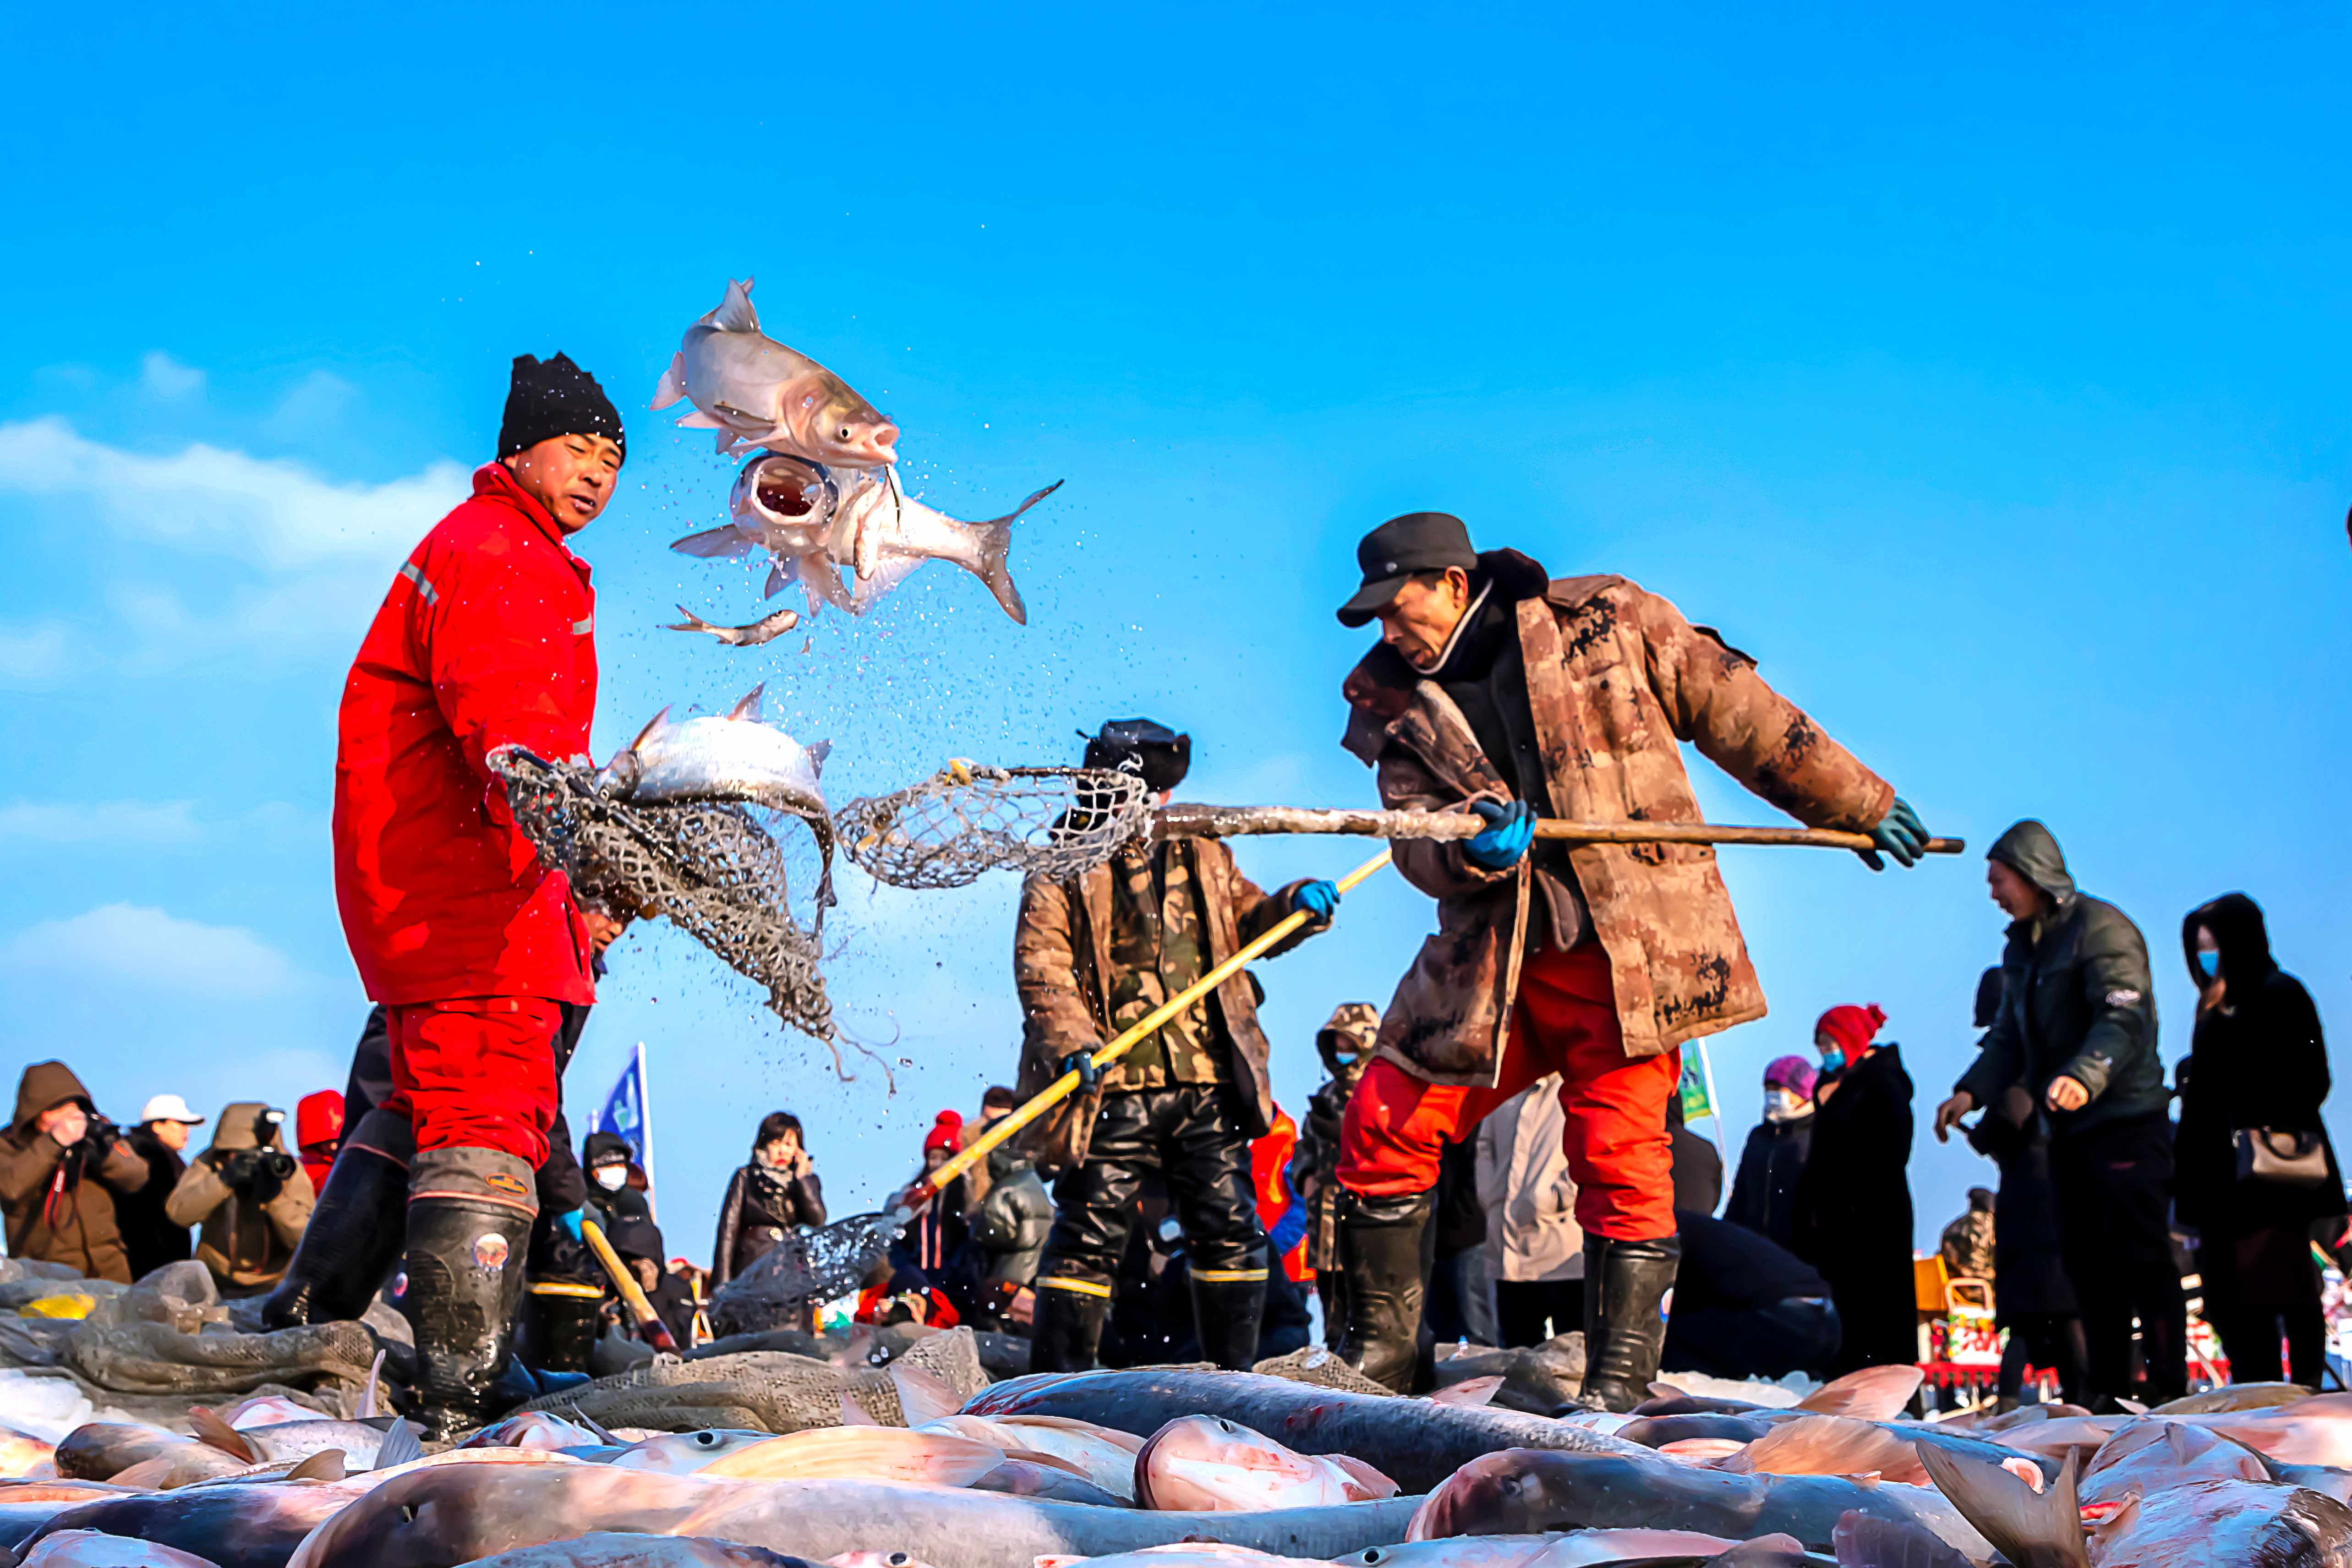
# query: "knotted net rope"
{"points": [[948, 830], [710, 867], [803, 1268]]}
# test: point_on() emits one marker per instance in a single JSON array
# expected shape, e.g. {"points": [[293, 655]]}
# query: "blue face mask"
{"points": [[2209, 960], [1832, 1061]]}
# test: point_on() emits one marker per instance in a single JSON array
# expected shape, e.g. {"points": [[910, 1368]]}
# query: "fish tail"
{"points": [[995, 537], [2024, 1525]]}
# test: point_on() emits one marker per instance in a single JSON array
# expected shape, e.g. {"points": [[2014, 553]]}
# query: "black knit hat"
{"points": [[554, 397]]}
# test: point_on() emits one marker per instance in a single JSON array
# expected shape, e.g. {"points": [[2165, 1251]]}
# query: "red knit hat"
{"points": [[947, 1132], [1852, 1027]]}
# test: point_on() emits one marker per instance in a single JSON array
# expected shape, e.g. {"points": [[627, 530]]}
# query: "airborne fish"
{"points": [[754, 392]]}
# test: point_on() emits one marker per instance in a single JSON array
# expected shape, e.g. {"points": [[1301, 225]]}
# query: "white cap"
{"points": [[169, 1108]]}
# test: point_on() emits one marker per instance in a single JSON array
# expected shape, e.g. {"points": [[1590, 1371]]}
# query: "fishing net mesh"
{"points": [[947, 831], [804, 1267], [711, 868]]}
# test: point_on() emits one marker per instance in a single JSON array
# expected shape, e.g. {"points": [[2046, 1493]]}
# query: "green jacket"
{"points": [[2077, 1000]]}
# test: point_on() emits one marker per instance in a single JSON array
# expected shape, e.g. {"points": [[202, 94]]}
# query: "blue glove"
{"points": [[568, 1222], [1089, 1073], [1319, 899], [1510, 829], [1901, 834]]}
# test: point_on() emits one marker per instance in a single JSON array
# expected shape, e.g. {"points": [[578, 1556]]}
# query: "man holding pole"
{"points": [[1500, 692], [1095, 954]]}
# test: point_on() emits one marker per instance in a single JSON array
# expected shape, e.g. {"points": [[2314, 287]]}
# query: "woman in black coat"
{"points": [[1764, 1194], [776, 1192], [1854, 1202], [2258, 1062]]}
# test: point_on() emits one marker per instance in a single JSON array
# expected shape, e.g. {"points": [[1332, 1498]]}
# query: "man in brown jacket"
{"points": [[1497, 691], [1094, 956], [60, 1166], [251, 1196]]}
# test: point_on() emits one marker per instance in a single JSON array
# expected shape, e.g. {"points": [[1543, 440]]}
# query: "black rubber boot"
{"points": [[1624, 1333], [469, 1213], [1228, 1306], [354, 1237], [563, 1324], [1068, 1326], [1384, 1256]]}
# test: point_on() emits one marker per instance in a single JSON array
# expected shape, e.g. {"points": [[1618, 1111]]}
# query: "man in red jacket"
{"points": [[486, 638]]}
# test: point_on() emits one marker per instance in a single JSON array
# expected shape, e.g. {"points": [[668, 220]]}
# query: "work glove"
{"points": [[1510, 829], [1319, 899], [1900, 834], [569, 1223], [1089, 1073], [239, 1169]]}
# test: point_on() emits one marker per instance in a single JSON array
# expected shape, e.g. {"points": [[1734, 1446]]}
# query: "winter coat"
{"points": [[758, 1207], [1616, 680], [150, 1239], [1315, 1165], [1764, 1193], [1854, 1207], [1012, 1221], [60, 1202], [1061, 967], [1532, 1229], [319, 1126], [2075, 999], [2258, 1061], [487, 638], [1697, 1171], [246, 1234], [1968, 1245], [2028, 1267]]}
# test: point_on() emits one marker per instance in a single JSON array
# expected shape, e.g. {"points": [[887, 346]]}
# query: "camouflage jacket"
{"points": [[1063, 970], [1617, 679], [1966, 1245], [1315, 1163]]}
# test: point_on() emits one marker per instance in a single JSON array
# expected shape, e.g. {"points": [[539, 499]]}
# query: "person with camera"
{"points": [[61, 1166], [251, 1197]]}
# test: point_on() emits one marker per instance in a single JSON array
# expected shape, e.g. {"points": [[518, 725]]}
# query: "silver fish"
{"points": [[247, 1524], [609, 1549], [93, 1549], [766, 629], [891, 534], [754, 392]]}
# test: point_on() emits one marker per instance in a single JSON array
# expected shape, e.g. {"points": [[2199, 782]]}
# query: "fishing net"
{"points": [[803, 1268], [947, 831], [711, 868]]}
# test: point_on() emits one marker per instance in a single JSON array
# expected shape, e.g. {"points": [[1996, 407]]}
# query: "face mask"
{"points": [[612, 1178], [1782, 1104], [1831, 1060], [2209, 960]]}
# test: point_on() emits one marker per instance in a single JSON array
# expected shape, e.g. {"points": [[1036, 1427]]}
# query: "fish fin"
{"points": [[2132, 1405], [367, 1411], [693, 623], [1470, 1391], [817, 756], [1666, 1391], [401, 1445], [778, 581], [1373, 1484], [853, 1414], [923, 1394], [747, 707], [1874, 1394], [995, 544], [214, 1432], [326, 1465], [1824, 1446], [2044, 1529], [1050, 1461], [735, 313], [672, 386], [1865, 1541], [596, 1427], [654, 724], [695, 419], [725, 542]]}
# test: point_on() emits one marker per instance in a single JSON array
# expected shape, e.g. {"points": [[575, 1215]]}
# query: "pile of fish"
{"points": [[824, 495], [1182, 1467]]}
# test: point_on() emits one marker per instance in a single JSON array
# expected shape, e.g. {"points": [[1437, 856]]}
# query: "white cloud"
{"points": [[274, 513], [167, 378], [105, 821], [133, 945], [34, 655]]}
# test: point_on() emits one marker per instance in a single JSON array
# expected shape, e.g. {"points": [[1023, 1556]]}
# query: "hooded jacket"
{"points": [[1764, 1192], [1315, 1164], [2258, 1060], [60, 1203], [1616, 681], [2077, 1000], [247, 1232]]}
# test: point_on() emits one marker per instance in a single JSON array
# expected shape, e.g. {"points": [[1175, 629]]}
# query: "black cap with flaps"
{"points": [[554, 397], [1400, 548], [1163, 755]]}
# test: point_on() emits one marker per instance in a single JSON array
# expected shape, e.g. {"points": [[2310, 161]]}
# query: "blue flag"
{"points": [[627, 1113]]}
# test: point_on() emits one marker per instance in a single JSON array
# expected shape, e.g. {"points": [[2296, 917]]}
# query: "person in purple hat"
{"points": [[1764, 1193]]}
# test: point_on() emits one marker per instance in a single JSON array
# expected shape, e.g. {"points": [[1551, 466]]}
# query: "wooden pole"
{"points": [[626, 1283], [1189, 820]]}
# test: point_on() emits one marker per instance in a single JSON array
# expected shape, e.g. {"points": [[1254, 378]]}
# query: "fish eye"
{"points": [[1223, 1425], [900, 1560], [845, 433]]}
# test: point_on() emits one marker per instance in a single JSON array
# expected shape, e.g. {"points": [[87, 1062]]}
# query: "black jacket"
{"points": [[757, 1205], [1764, 1193], [1727, 1265], [1854, 1207], [2076, 1000], [2258, 1061], [148, 1234]]}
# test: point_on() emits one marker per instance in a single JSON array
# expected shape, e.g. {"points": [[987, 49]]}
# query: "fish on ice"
{"points": [[754, 392], [1211, 1465]]}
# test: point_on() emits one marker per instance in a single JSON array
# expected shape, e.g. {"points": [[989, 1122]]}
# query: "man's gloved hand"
{"points": [[1319, 899], [569, 1223], [239, 1167], [1510, 829], [1901, 834], [1083, 1063]]}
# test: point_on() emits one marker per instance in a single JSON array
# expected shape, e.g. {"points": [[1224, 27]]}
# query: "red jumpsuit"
{"points": [[487, 637]]}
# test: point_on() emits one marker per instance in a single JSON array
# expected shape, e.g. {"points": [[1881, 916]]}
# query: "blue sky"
{"points": [[1980, 375]]}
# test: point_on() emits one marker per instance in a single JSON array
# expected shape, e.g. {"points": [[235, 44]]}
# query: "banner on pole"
{"points": [[627, 1114], [1698, 1098]]}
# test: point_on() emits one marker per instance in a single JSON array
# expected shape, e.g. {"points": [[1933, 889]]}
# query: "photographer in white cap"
{"points": [[148, 1234]]}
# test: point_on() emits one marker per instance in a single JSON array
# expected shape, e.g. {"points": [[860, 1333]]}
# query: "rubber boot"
{"points": [[1624, 1333], [469, 1213], [1384, 1255], [1228, 1306], [1068, 1325], [354, 1237], [564, 1323]]}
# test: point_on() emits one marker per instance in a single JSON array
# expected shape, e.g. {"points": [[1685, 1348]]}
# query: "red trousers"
{"points": [[477, 1072], [1617, 1148]]}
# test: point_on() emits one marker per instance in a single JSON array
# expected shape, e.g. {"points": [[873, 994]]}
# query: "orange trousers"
{"points": [[1619, 1150]]}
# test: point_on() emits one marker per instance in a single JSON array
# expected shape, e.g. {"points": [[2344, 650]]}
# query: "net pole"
{"points": [[1135, 1034]]}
